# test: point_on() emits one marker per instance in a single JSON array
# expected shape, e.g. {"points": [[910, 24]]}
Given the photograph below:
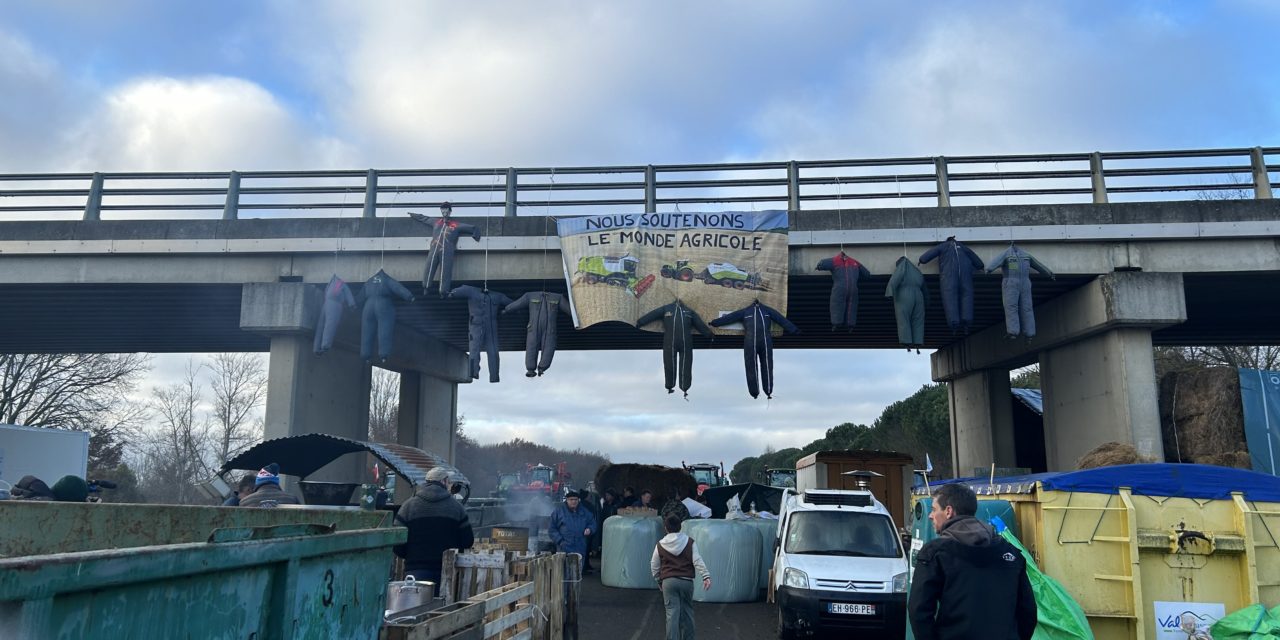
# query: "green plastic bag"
{"points": [[1058, 616], [1253, 622]]}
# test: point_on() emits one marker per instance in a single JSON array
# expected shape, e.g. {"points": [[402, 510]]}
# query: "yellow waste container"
{"points": [[1149, 547]]}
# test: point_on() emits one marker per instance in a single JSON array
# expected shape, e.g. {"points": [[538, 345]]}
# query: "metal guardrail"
{"points": [[936, 181]]}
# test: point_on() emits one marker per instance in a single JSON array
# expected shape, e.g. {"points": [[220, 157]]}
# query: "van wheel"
{"points": [[784, 632]]}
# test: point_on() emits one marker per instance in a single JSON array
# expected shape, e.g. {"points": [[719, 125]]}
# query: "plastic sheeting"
{"points": [[768, 530], [731, 551], [1260, 397], [626, 550]]}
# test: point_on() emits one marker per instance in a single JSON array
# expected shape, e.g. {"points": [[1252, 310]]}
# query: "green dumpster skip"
{"points": [[273, 573]]}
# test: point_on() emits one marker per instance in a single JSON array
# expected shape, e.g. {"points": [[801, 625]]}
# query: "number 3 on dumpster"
{"points": [[327, 598]]}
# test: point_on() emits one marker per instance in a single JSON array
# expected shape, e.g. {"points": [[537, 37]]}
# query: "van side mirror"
{"points": [[776, 544]]}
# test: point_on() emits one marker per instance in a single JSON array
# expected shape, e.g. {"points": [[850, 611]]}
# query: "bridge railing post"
{"points": [[93, 206], [650, 190], [1261, 180], [231, 210], [513, 192], [944, 185], [371, 194], [793, 186], [1098, 179]]}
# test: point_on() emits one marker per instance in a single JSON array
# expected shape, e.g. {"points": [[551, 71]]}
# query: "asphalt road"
{"points": [[606, 613]]}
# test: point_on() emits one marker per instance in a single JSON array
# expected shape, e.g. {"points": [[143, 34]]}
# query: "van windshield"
{"points": [[842, 533]]}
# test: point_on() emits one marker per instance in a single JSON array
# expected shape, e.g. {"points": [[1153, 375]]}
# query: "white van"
{"points": [[839, 565]]}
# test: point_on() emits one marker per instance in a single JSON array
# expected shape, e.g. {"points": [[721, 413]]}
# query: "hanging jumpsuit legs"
{"points": [[478, 341], [909, 309], [965, 291], [758, 354], [434, 258], [1019, 317], [377, 322], [327, 326], [950, 300]]}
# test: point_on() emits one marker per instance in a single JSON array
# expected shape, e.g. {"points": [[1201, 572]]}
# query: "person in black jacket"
{"points": [[969, 582], [436, 521]]}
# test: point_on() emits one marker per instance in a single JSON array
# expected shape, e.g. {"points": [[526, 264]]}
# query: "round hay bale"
{"points": [[664, 482], [1201, 414], [1235, 459], [1110, 454]]}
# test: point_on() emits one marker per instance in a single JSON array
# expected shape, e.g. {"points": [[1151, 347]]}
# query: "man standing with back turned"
{"points": [[969, 584], [436, 522]]}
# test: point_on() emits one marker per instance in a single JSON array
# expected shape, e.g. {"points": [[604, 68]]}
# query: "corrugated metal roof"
{"points": [[303, 455]]}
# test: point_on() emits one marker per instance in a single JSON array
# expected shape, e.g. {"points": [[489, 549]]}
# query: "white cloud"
{"points": [[169, 124], [36, 104]]}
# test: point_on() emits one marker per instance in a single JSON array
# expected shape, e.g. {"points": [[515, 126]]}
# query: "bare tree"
{"points": [[384, 405], [1236, 357], [66, 391], [176, 452], [239, 389]]}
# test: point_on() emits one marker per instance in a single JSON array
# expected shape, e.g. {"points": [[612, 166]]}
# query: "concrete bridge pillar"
{"points": [[1099, 389], [981, 421], [307, 393], [1097, 371]]}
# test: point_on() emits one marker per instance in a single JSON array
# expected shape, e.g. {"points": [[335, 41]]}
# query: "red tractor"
{"points": [[706, 475], [543, 479]]}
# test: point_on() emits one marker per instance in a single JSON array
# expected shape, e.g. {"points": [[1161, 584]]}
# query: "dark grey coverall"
{"points": [[1015, 289], [757, 342], [337, 298], [678, 323], [444, 242], [909, 294], [955, 278], [378, 316], [845, 272], [541, 331], [482, 328]]}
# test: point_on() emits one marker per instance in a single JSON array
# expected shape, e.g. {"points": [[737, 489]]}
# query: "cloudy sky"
{"points": [[156, 85]]}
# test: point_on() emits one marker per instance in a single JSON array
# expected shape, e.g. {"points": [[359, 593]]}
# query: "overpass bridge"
{"points": [[148, 262]]}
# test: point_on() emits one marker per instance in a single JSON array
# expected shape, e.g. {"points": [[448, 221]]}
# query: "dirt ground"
{"points": [[606, 613]]}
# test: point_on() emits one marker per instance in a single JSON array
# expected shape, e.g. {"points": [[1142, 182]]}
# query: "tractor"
{"points": [[706, 474], [784, 478], [681, 271]]}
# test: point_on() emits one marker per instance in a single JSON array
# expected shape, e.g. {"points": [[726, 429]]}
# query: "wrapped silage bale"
{"points": [[626, 549], [768, 530], [731, 551]]}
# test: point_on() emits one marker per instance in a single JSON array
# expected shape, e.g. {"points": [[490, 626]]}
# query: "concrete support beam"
{"points": [[1100, 389], [292, 307], [309, 394], [981, 421], [1111, 301]]}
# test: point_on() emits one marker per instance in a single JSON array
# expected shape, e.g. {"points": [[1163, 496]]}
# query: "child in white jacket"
{"points": [[675, 563]]}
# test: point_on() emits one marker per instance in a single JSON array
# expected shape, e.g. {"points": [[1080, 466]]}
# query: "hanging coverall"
{"points": [[378, 317], [444, 242], [678, 323], [955, 277], [845, 272], [910, 295], [541, 331], [337, 298], [757, 342], [1015, 289], [483, 307]]}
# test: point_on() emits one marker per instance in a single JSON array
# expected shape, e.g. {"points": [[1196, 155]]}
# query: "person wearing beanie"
{"points": [[267, 492], [247, 484], [436, 522], [571, 526]]}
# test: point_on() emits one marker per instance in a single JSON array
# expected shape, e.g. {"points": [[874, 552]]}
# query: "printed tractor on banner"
{"points": [[618, 271], [721, 273]]}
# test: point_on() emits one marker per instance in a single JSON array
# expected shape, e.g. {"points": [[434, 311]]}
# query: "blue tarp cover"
{"points": [[1206, 482]]}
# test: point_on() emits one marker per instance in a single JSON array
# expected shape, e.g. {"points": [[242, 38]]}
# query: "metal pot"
{"points": [[408, 594]]}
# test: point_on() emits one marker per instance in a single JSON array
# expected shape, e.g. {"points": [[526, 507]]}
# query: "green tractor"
{"points": [[681, 271]]}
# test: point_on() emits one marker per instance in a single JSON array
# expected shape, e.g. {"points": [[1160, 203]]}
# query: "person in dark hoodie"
{"points": [[969, 582], [436, 522], [267, 492], [674, 564]]}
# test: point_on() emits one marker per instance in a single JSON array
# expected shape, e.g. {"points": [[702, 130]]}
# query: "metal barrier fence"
{"points": [[898, 182]]}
